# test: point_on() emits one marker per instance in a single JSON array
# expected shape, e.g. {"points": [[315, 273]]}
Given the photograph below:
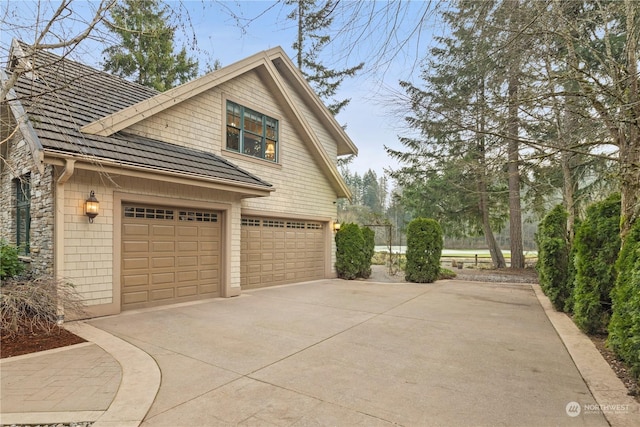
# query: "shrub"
{"points": [[624, 328], [10, 264], [553, 256], [349, 251], [597, 246], [367, 251], [424, 248], [29, 303]]}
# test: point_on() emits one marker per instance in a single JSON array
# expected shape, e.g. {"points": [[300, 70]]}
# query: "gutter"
{"points": [[115, 167]]}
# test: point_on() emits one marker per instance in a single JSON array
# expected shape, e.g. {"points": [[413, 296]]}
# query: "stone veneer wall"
{"points": [[19, 162]]}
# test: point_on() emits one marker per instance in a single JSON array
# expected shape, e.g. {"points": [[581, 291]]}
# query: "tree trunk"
{"points": [[483, 196], [630, 146], [513, 148]]}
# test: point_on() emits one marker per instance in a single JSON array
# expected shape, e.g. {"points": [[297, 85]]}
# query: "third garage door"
{"points": [[278, 251]]}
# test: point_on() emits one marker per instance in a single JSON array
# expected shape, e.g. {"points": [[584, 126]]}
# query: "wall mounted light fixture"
{"points": [[91, 206], [336, 226]]}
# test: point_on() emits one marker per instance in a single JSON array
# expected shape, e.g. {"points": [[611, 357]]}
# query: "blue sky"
{"points": [[372, 121]]}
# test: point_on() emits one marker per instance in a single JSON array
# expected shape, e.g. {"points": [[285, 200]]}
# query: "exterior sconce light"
{"points": [[91, 206], [336, 226]]}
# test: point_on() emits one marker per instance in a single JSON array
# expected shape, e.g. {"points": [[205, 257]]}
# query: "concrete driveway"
{"points": [[344, 353]]}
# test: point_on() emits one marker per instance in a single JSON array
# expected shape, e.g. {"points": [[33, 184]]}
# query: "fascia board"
{"points": [[316, 147], [133, 114], [310, 96], [23, 122], [117, 168]]}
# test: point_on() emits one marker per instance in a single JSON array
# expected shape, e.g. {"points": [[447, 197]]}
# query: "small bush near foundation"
{"points": [[367, 251], [553, 256], [28, 303], [424, 248], [349, 251], [10, 264], [597, 244]]}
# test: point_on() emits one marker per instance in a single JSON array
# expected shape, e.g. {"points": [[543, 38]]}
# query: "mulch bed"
{"points": [[619, 367], [37, 340]]}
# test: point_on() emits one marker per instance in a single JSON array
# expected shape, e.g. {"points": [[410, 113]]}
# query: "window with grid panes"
{"points": [[23, 213], [251, 133]]}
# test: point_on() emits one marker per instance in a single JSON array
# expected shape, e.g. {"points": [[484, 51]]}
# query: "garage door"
{"points": [[169, 255], [277, 251]]}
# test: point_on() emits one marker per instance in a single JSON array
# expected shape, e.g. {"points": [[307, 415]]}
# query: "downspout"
{"points": [[58, 246]]}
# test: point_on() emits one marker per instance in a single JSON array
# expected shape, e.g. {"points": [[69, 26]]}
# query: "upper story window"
{"points": [[251, 133], [23, 213]]}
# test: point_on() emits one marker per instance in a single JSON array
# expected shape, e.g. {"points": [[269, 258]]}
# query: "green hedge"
{"points": [[624, 328], [424, 248], [597, 245], [353, 256], [368, 250], [553, 257]]}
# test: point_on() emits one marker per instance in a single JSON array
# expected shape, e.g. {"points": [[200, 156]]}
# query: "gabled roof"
{"points": [[273, 65], [59, 96]]}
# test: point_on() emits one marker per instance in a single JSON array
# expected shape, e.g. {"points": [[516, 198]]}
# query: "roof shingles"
{"points": [[66, 95]]}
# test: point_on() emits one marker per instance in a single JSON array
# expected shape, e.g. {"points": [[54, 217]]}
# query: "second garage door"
{"points": [[278, 251], [169, 255]]}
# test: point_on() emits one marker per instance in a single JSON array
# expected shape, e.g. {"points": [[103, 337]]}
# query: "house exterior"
{"points": [[225, 183]]}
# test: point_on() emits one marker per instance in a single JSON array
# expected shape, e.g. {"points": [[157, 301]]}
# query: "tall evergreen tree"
{"points": [[448, 172], [145, 53], [313, 22]]}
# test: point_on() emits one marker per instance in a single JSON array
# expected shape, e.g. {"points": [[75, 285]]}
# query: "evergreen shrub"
{"points": [[624, 328], [597, 244], [367, 251], [424, 248], [553, 256], [349, 251]]}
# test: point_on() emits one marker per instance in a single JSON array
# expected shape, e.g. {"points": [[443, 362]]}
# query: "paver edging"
{"points": [[607, 389], [140, 377]]}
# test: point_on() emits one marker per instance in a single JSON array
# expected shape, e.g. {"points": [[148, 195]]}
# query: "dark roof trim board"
{"points": [[26, 129]]}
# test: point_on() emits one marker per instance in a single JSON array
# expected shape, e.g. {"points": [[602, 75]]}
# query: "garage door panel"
{"points": [[162, 262], [185, 291], [133, 280], [163, 230], [169, 255], [207, 289], [135, 297], [136, 263], [188, 246], [208, 246], [205, 275], [187, 276], [159, 246], [187, 261], [135, 246], [162, 294]]}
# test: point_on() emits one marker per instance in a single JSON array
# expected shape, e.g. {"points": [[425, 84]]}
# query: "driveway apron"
{"points": [[336, 352]]}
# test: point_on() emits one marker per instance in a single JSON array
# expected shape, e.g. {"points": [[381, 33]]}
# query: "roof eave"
{"points": [[161, 174]]}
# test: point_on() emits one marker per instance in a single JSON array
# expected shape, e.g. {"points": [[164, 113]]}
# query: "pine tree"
{"points": [[313, 22], [145, 53]]}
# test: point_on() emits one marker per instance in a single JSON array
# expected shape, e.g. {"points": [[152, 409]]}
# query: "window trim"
{"points": [[265, 118]]}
